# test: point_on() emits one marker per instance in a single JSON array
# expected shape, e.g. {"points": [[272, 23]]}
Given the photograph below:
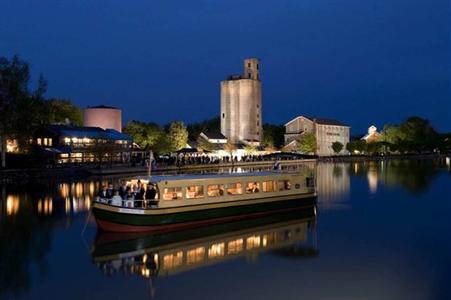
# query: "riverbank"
{"points": [[361, 158], [20, 175]]}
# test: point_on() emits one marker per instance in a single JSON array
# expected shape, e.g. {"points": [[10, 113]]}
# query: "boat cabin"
{"points": [[189, 190]]}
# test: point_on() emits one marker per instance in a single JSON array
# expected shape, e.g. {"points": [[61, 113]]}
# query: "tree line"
{"points": [[414, 135], [23, 109]]}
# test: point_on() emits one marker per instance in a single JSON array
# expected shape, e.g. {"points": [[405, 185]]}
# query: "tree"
{"points": [[162, 144], [337, 147], [361, 146], [273, 136], [250, 149], [414, 134], [146, 135], [358, 145], [61, 110], [307, 143], [350, 147], [210, 125], [21, 110], [178, 135]]}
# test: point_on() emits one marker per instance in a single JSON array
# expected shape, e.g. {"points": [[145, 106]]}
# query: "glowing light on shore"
{"points": [[12, 205]]}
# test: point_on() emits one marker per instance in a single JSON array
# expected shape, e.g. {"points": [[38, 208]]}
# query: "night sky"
{"points": [[362, 62]]}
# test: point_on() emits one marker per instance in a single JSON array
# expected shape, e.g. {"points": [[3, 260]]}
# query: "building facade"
{"points": [[75, 144], [372, 135], [326, 132], [241, 105]]}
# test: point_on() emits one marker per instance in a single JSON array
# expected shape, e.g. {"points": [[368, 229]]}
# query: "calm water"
{"points": [[380, 231]]}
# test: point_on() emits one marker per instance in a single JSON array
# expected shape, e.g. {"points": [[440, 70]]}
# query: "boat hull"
{"points": [[111, 220]]}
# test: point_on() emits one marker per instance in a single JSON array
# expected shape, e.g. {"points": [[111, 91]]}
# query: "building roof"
{"points": [[89, 132], [324, 121], [214, 135], [159, 178], [321, 121], [103, 106]]}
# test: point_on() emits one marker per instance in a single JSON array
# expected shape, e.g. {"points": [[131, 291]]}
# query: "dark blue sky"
{"points": [[362, 62]]}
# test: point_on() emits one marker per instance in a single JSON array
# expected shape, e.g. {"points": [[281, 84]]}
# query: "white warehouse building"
{"points": [[326, 132]]}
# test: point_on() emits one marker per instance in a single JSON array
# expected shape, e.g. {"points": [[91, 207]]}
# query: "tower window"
{"points": [[248, 64], [258, 123], [257, 66], [249, 75], [223, 115]]}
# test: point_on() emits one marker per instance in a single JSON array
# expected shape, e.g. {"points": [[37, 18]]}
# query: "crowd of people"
{"points": [[183, 159], [137, 195]]}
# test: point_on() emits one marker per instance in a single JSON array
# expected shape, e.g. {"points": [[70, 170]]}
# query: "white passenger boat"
{"points": [[194, 200]]}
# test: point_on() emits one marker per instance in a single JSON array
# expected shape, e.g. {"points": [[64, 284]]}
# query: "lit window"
{"points": [[253, 242], [215, 190], [195, 255], [268, 186], [234, 189], [39, 141], [50, 142], [173, 260], [174, 193], [216, 250], [235, 246], [194, 192], [283, 185], [252, 187]]}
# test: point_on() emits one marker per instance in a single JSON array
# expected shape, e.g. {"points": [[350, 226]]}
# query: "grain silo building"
{"points": [[241, 105]]}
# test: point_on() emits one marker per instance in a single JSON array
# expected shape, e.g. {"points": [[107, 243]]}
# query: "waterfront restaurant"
{"points": [[81, 144]]}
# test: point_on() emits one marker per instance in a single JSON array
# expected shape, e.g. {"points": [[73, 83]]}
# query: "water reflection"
{"points": [[333, 183], [414, 176], [31, 213], [156, 255]]}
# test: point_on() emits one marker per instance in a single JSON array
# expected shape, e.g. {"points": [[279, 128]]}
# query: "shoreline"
{"points": [[13, 175]]}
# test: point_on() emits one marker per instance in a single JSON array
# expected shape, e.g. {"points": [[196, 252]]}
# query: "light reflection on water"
{"points": [[41, 220]]}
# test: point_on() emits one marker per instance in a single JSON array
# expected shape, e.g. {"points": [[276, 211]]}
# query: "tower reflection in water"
{"points": [[155, 255]]}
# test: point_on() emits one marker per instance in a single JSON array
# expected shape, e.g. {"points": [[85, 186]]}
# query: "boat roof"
{"points": [[158, 178]]}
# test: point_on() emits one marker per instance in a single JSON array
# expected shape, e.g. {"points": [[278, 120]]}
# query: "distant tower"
{"points": [[241, 105], [105, 117]]}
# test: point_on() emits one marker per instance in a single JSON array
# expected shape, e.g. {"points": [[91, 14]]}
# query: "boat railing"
{"points": [[129, 203]]}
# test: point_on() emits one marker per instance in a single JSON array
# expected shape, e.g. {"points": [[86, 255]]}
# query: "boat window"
{"points": [[174, 193], [195, 255], [283, 185], [215, 190], [234, 189], [235, 246], [194, 192], [172, 260], [268, 186], [252, 187]]}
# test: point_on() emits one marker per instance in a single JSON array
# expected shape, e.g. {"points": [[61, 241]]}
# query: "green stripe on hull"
{"points": [[199, 215]]}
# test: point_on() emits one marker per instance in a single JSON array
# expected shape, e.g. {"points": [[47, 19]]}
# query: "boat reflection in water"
{"points": [[165, 254]]}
